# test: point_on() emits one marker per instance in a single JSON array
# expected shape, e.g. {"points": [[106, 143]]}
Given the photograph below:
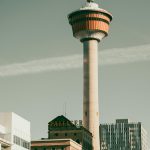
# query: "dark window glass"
{"points": [[78, 141], [56, 134], [18, 141]]}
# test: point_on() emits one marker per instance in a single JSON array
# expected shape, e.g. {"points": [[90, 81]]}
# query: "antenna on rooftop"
{"points": [[65, 109]]}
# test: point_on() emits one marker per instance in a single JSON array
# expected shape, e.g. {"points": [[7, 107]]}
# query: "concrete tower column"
{"points": [[90, 99], [90, 24]]}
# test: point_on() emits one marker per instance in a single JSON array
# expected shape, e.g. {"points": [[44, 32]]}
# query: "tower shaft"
{"points": [[90, 24], [90, 99]]}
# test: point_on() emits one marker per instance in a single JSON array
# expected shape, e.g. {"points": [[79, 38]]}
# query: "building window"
{"points": [[56, 134], [85, 113], [21, 142], [78, 141], [65, 134]]}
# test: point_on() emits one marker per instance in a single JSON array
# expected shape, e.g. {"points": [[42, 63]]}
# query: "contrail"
{"points": [[125, 55], [106, 57]]}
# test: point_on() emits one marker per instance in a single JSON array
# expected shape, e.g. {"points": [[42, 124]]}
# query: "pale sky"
{"points": [[33, 30]]}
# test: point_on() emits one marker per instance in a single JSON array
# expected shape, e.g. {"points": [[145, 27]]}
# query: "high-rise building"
{"points": [[123, 135], [90, 24], [14, 132]]}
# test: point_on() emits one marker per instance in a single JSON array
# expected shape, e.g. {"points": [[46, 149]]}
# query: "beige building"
{"points": [[55, 144], [4, 145]]}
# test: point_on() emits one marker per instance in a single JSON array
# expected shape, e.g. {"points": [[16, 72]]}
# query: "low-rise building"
{"points": [[65, 136], [62, 128], [14, 132], [55, 144]]}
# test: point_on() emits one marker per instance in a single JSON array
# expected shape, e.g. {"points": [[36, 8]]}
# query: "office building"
{"points": [[123, 135], [14, 132]]}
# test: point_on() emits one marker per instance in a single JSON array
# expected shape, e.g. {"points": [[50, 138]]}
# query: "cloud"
{"points": [[106, 57]]}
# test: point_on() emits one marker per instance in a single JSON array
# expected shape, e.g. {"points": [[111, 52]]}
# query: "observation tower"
{"points": [[90, 24]]}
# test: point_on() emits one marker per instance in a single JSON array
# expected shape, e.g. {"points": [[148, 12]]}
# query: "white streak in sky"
{"points": [[125, 55], [106, 57]]}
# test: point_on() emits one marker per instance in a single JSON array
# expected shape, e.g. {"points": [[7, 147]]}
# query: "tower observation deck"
{"points": [[90, 24]]}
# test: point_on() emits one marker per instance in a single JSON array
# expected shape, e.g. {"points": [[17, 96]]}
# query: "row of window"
{"points": [[56, 134], [19, 141], [53, 148]]}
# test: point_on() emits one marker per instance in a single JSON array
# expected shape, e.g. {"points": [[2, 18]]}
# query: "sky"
{"points": [[41, 62]]}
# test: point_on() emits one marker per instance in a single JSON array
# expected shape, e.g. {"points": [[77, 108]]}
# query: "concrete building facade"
{"points": [[123, 135], [14, 132], [55, 144], [90, 24]]}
